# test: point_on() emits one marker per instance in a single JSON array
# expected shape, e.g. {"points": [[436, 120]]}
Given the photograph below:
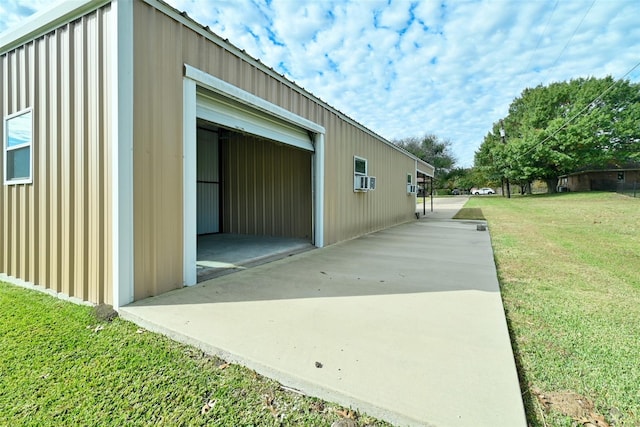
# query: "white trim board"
{"points": [[244, 119], [243, 97], [122, 153], [318, 191], [189, 187]]}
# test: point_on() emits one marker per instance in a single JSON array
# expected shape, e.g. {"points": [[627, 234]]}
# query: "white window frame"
{"points": [[411, 187], [366, 166], [359, 177], [7, 149]]}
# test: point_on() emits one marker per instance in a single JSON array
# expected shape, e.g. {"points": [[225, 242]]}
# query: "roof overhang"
{"points": [[46, 21], [608, 170], [425, 168]]}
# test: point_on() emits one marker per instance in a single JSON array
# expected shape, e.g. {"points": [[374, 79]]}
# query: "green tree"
{"points": [[563, 127], [460, 178], [433, 150]]}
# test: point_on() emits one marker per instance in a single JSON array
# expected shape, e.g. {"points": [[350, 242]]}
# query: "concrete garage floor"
{"points": [[407, 323], [220, 254]]}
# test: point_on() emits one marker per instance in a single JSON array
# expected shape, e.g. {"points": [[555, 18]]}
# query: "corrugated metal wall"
{"points": [[208, 185], [56, 231], [349, 214], [162, 45], [157, 153], [266, 188]]}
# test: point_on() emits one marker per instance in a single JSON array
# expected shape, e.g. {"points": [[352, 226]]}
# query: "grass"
{"points": [[60, 365], [568, 267], [470, 214]]}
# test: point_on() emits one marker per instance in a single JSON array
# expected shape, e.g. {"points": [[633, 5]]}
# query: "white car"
{"points": [[484, 190]]}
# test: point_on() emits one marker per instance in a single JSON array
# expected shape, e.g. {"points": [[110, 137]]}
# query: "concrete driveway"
{"points": [[407, 323]]}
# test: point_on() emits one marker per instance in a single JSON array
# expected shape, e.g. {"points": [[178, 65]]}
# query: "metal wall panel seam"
{"points": [[65, 117], [42, 153], [33, 201]]}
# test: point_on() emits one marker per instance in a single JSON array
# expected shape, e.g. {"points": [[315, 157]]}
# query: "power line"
{"points": [[573, 35], [544, 31], [581, 111], [575, 31]]}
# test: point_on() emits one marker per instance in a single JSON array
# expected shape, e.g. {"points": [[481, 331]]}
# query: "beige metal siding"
{"points": [[162, 45], [266, 188], [157, 153], [56, 231], [349, 214]]}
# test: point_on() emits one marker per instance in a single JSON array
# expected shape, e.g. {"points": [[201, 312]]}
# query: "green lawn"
{"points": [[569, 269], [61, 366]]}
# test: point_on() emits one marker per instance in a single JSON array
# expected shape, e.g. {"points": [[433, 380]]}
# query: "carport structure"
{"points": [[141, 130]]}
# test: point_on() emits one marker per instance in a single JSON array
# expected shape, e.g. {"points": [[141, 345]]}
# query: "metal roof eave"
{"points": [[46, 21]]}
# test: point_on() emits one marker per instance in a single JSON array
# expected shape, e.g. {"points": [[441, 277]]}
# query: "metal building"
{"points": [[128, 129]]}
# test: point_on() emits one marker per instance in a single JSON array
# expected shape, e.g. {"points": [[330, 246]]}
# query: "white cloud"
{"points": [[410, 68], [13, 12]]}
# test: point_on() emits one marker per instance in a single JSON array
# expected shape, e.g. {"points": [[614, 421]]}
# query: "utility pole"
{"points": [[503, 135]]}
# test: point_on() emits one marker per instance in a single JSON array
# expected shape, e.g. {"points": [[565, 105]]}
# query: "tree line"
{"points": [[565, 127], [549, 131]]}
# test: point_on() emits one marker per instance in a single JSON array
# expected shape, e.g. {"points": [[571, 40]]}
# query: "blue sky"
{"points": [[406, 68]]}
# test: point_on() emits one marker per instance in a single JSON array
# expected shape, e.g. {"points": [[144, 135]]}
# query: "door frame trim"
{"points": [[194, 79]]}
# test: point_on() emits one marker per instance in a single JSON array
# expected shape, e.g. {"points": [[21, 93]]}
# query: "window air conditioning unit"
{"points": [[361, 183], [412, 189], [372, 183]]}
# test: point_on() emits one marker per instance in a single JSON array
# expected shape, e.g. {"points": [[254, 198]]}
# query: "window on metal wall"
{"points": [[18, 140], [411, 187], [361, 181]]}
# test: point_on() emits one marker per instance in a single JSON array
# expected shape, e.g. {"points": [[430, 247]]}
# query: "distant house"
{"points": [[615, 179], [128, 130]]}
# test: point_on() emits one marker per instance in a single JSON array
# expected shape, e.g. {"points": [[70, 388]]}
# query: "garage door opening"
{"points": [[250, 168], [254, 200]]}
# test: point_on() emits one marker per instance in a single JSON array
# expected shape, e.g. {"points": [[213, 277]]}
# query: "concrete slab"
{"points": [[407, 323], [443, 208], [220, 254]]}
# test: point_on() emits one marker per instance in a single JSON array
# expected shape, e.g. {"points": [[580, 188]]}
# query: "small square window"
{"points": [[359, 166], [18, 134], [409, 179]]}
